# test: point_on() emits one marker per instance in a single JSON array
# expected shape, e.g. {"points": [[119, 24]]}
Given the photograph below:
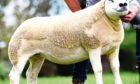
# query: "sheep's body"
{"points": [[69, 37], [64, 39]]}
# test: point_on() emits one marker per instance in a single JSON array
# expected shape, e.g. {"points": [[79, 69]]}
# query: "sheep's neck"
{"points": [[99, 13], [116, 24]]}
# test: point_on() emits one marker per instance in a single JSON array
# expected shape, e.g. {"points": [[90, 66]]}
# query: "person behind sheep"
{"points": [[80, 69]]}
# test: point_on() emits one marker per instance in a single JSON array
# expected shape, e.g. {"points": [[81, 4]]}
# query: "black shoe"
{"points": [[138, 69], [75, 81]]}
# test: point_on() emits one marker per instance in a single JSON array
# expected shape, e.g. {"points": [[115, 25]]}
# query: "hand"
{"points": [[133, 10]]}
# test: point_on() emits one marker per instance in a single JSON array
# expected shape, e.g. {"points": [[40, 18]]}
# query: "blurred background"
{"points": [[14, 12]]}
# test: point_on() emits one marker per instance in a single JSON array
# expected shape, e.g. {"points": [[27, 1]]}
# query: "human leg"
{"points": [[79, 72], [138, 50], [136, 24]]}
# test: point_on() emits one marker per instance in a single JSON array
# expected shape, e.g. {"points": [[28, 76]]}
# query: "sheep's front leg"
{"points": [[95, 59], [114, 63]]}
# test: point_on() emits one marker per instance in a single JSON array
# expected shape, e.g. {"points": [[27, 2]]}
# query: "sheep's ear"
{"points": [[111, 0]]}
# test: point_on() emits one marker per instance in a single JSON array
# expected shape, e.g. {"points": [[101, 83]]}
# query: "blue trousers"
{"points": [[80, 69], [136, 23]]}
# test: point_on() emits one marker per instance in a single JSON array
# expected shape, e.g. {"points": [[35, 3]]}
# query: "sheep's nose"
{"points": [[123, 4]]}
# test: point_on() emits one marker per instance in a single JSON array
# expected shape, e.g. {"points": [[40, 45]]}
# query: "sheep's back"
{"points": [[62, 32]]}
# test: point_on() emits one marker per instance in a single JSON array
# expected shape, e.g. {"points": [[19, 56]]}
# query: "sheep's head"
{"points": [[116, 8]]}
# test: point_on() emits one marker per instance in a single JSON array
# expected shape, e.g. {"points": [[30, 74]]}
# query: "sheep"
{"points": [[68, 39]]}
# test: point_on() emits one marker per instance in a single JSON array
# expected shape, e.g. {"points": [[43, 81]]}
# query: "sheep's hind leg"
{"points": [[17, 69], [35, 65]]}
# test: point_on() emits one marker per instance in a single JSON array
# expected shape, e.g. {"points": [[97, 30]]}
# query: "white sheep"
{"points": [[68, 39]]}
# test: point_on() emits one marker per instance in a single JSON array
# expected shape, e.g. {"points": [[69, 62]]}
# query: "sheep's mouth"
{"points": [[124, 9]]}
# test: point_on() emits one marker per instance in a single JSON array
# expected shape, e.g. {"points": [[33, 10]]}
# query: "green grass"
{"points": [[127, 78]]}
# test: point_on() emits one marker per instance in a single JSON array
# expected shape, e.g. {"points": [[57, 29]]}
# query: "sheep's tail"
{"points": [[13, 48]]}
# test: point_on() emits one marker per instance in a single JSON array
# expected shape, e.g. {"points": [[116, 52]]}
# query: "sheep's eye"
{"points": [[111, 0]]}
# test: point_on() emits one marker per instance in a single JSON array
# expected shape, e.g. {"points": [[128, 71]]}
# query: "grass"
{"points": [[127, 78]]}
